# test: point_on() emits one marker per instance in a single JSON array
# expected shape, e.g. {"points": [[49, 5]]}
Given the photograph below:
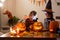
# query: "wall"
{"points": [[24, 7], [56, 8], [10, 5]]}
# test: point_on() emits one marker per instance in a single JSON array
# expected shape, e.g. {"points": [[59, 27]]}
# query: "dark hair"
{"points": [[34, 12]]}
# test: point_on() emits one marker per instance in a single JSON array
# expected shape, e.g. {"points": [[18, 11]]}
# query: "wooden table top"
{"points": [[34, 35]]}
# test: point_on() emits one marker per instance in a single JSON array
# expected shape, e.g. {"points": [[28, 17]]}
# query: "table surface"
{"points": [[34, 35]]}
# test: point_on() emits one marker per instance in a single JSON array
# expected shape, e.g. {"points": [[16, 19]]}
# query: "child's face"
{"points": [[47, 15]]}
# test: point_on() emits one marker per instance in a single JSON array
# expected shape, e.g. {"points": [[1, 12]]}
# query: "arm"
{"points": [[45, 23]]}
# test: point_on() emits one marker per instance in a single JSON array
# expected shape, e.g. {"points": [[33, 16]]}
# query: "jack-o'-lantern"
{"points": [[37, 26], [20, 27], [53, 27]]}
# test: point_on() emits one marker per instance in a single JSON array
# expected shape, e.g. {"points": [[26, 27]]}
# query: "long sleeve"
{"points": [[45, 23]]}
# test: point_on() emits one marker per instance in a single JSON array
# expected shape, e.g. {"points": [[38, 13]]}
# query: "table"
{"points": [[34, 35]]}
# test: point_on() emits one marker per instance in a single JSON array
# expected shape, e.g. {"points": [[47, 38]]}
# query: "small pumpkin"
{"points": [[54, 25]]}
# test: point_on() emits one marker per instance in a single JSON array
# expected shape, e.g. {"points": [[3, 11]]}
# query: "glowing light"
{"points": [[18, 36], [12, 31], [51, 30], [38, 28], [18, 30], [12, 36], [1, 4], [2, 1]]}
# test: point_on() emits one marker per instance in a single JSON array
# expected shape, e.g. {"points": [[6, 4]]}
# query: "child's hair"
{"points": [[34, 12]]}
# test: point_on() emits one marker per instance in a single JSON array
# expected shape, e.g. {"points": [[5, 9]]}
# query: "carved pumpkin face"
{"points": [[37, 26], [21, 26]]}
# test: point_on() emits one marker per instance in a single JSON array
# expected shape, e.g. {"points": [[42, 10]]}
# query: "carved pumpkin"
{"points": [[53, 27], [20, 26], [37, 26]]}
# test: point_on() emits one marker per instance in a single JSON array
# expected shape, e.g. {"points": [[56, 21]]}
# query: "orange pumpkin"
{"points": [[54, 25], [21, 26], [37, 26]]}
